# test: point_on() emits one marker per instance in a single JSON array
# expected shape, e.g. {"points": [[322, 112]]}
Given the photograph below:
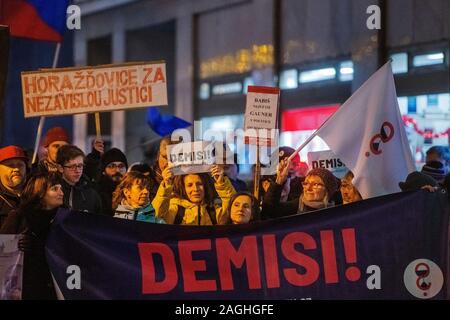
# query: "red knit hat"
{"points": [[56, 134], [12, 152]]}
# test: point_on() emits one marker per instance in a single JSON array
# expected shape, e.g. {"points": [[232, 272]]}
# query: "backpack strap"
{"points": [[180, 215]]}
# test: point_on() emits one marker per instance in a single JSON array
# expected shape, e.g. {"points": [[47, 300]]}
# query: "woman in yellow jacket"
{"points": [[188, 199]]}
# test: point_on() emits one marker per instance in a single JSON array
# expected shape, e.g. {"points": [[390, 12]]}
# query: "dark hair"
{"points": [[180, 191], [255, 205], [67, 153], [442, 151], [35, 190], [128, 180], [141, 167]]}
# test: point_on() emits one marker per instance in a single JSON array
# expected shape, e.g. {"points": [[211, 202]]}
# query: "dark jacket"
{"points": [[43, 166], [92, 166], [273, 208], [105, 189], [35, 226], [82, 196], [8, 202]]}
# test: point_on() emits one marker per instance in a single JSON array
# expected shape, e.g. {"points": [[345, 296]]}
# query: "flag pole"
{"points": [[42, 118], [257, 175]]}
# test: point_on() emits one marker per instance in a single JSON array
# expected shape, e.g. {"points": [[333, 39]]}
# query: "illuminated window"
{"points": [[428, 59], [317, 75], [227, 88], [289, 79], [248, 82], [399, 62], [346, 71], [204, 91]]}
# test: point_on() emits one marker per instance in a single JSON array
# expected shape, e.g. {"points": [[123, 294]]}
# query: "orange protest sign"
{"points": [[93, 89]]}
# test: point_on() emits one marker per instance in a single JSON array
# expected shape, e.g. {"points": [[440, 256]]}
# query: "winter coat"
{"points": [[146, 214], [82, 197], [105, 189], [273, 208], [35, 224], [168, 207], [8, 202]]}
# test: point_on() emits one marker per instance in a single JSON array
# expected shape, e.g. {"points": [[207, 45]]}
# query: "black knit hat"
{"points": [[113, 155], [416, 180], [330, 181], [434, 169]]}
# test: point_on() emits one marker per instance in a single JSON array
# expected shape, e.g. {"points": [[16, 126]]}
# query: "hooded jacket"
{"points": [[167, 206]]}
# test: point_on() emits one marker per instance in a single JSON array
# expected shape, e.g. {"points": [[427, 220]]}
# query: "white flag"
{"points": [[368, 135]]}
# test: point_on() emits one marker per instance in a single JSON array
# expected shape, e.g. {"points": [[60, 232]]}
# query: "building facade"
{"points": [[317, 51]]}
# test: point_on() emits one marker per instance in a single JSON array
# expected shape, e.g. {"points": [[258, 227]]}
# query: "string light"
{"points": [[409, 121]]}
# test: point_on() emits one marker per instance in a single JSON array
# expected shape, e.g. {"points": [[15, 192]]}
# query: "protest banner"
{"points": [[261, 115], [191, 157], [11, 267], [390, 247], [50, 92], [327, 160]]}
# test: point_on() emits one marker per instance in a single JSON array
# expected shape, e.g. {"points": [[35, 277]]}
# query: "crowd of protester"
{"points": [[103, 183]]}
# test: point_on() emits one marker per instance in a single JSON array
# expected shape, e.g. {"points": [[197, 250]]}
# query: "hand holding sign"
{"points": [[99, 145], [167, 175], [283, 171], [217, 173]]}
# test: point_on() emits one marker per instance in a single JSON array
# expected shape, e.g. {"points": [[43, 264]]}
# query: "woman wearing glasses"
{"points": [[319, 187]]}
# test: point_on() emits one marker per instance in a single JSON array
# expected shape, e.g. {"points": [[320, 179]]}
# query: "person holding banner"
{"points": [[189, 199], [13, 167], [131, 199], [243, 208], [41, 198], [319, 187]]}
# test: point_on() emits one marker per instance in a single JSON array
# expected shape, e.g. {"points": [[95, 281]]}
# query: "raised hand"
{"points": [[217, 173], [283, 171], [98, 145], [167, 175]]}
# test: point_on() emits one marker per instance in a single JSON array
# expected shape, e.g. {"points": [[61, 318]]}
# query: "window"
{"points": [[428, 59], [399, 62], [346, 71], [317, 75], [227, 88], [204, 91], [289, 79]]}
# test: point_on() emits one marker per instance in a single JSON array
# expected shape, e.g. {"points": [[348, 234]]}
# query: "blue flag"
{"points": [[164, 124]]}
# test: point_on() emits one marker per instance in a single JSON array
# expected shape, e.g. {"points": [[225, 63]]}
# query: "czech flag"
{"points": [[164, 124], [35, 19]]}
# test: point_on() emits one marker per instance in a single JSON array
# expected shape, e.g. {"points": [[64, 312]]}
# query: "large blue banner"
{"points": [[391, 247]]}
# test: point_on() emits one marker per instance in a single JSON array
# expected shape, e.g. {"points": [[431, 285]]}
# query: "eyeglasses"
{"points": [[119, 166], [314, 185], [75, 167]]}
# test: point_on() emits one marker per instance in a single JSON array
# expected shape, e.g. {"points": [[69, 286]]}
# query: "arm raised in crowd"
{"points": [[92, 161], [271, 206], [225, 191], [161, 202]]}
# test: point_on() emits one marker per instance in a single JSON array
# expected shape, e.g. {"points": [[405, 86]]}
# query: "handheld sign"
{"points": [[261, 115], [191, 157], [51, 92], [327, 160]]}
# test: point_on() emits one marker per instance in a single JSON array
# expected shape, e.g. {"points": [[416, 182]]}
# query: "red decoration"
{"points": [[428, 135]]}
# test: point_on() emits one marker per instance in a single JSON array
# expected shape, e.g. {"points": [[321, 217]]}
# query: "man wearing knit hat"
{"points": [[114, 165], [12, 179], [54, 139], [319, 187]]}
